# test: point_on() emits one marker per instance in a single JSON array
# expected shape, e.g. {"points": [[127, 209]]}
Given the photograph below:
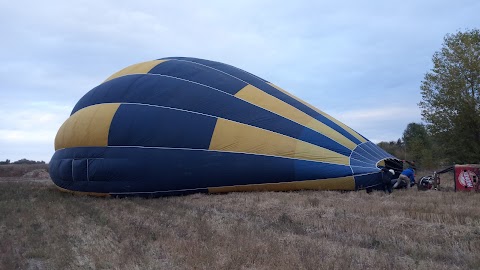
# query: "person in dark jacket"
{"points": [[387, 175]]}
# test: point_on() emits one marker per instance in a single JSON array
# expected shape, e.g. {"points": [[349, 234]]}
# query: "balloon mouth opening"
{"points": [[390, 163]]}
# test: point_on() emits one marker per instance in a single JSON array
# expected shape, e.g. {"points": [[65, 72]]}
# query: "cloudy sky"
{"points": [[360, 61]]}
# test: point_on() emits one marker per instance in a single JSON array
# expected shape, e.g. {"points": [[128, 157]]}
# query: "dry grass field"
{"points": [[42, 228], [20, 170]]}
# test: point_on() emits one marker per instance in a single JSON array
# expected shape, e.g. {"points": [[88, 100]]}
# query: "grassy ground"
{"points": [[19, 170], [42, 228]]}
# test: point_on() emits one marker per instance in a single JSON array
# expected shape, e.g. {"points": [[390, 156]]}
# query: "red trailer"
{"points": [[466, 177]]}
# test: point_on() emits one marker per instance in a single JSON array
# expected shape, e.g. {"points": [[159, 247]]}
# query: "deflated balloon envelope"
{"points": [[181, 125]]}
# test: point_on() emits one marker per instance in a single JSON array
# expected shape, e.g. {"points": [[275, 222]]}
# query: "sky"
{"points": [[360, 61]]}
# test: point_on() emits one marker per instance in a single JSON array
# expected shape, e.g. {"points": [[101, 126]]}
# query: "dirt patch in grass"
{"points": [[37, 174]]}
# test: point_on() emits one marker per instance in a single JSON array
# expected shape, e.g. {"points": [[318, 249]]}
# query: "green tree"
{"points": [[395, 148], [451, 97], [418, 145]]}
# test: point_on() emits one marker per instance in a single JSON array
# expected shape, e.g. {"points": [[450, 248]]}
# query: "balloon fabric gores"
{"points": [[183, 125]]}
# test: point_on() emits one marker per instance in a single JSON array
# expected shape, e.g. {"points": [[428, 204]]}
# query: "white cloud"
{"points": [[29, 130], [382, 123], [25, 136]]}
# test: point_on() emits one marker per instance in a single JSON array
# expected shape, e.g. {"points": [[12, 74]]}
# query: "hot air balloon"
{"points": [[183, 125]]}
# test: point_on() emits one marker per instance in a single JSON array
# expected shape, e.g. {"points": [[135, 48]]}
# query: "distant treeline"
{"points": [[416, 145], [21, 161], [427, 150]]}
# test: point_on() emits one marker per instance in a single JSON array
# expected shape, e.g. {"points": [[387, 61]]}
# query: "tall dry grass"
{"points": [[18, 170], [42, 228]]}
